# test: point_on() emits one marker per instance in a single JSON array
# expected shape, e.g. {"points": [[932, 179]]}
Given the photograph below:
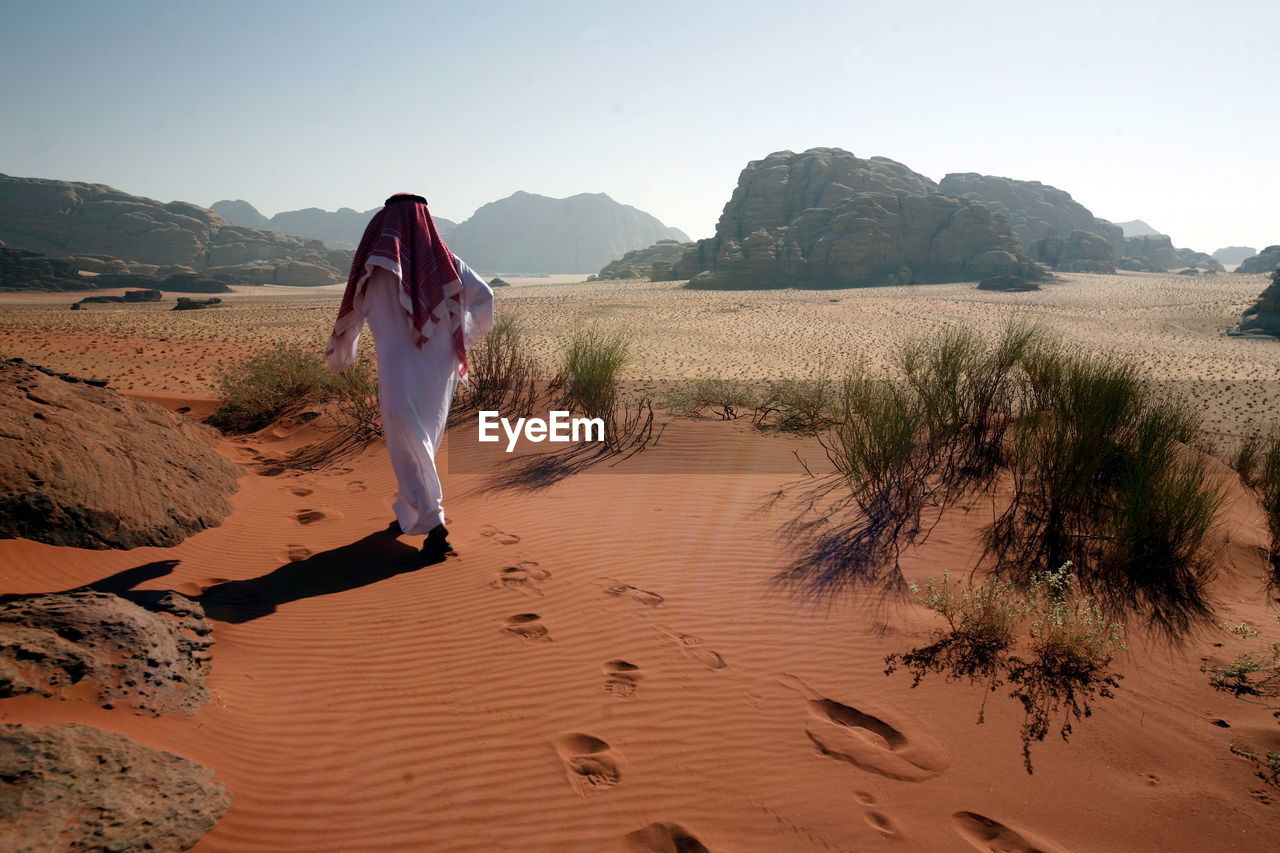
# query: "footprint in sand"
{"points": [[991, 836], [527, 626], [882, 823], [356, 487], [864, 797], [868, 741], [300, 492], [695, 650], [590, 765], [621, 679], [618, 589], [309, 516], [525, 577], [295, 553], [499, 536], [663, 838], [197, 588]]}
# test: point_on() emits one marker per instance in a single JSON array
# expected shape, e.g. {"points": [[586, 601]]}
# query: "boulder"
{"points": [[497, 282], [641, 263], [1263, 317], [187, 303], [102, 299], [1265, 261], [75, 787], [150, 654], [1007, 284], [92, 468], [63, 218], [826, 218], [142, 296], [1035, 211], [529, 233]]}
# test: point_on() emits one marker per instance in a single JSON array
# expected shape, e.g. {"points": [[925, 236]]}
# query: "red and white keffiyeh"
{"points": [[402, 238]]}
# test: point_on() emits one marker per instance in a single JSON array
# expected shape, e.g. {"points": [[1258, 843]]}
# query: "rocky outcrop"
{"points": [[1263, 317], [497, 282], [240, 212], [1191, 259], [176, 283], [142, 296], [528, 233], [1080, 251], [21, 269], [655, 262], [1151, 252], [1137, 228], [63, 219], [1232, 255], [1265, 261], [1036, 213], [75, 787], [338, 229], [150, 654], [826, 218], [92, 468]]}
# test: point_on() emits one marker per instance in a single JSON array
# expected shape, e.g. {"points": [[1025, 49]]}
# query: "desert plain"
{"points": [[606, 665]]}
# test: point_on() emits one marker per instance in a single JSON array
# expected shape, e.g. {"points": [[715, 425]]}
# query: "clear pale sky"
{"points": [[1155, 109]]}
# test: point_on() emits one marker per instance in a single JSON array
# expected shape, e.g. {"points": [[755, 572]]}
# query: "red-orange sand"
{"points": [[606, 654]]}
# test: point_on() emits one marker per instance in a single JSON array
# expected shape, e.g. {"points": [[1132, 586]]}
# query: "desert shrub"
{"points": [[798, 405], [268, 385], [1251, 673], [726, 398], [1266, 764], [1072, 647], [501, 373], [590, 370], [982, 620], [1102, 479], [1246, 459], [354, 395], [1267, 484]]}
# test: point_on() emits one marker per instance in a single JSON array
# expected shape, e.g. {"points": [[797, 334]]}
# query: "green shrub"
{"points": [[268, 385], [501, 373], [1251, 673], [726, 398], [590, 371], [799, 405]]}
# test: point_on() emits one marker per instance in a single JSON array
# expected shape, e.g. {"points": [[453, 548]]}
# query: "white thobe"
{"points": [[415, 387]]}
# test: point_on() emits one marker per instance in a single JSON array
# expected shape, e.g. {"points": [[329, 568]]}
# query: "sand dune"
{"points": [[606, 666]]}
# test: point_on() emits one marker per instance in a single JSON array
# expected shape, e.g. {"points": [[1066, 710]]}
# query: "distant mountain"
{"points": [[531, 233], [1232, 255], [101, 229], [1137, 228], [339, 229]]}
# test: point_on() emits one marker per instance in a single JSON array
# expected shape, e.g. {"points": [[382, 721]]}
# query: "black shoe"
{"points": [[436, 546]]}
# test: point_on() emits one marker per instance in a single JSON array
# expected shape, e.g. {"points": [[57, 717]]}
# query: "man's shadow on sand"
{"points": [[374, 558]]}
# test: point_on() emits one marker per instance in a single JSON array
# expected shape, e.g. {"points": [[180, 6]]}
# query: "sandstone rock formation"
{"points": [[339, 229], [1265, 261], [1137, 228], [1153, 252], [640, 263], [75, 787], [1080, 251], [25, 270], [1231, 255], [1007, 284], [176, 283], [142, 296], [528, 233], [497, 282], [825, 218], [1263, 317], [187, 303], [63, 219], [1192, 259], [150, 654], [93, 468], [1036, 212]]}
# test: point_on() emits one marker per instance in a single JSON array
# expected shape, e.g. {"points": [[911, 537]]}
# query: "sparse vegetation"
{"points": [[266, 386], [725, 398], [1070, 646], [1251, 673], [1266, 764], [1100, 470], [501, 373]]}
